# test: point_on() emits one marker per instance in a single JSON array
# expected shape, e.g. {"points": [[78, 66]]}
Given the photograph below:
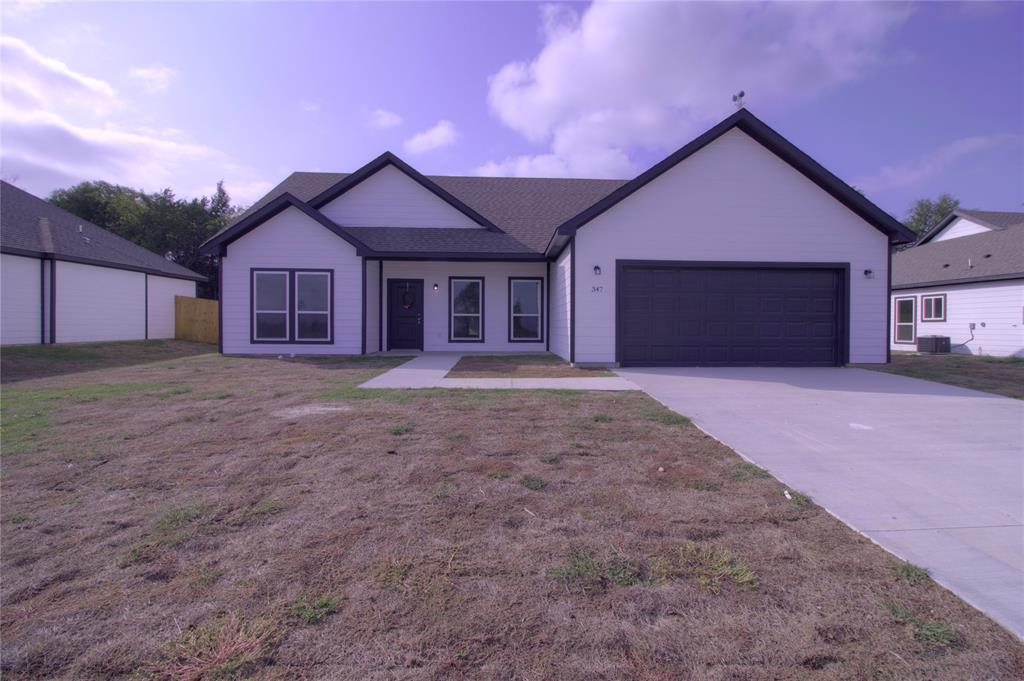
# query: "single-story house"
{"points": [[738, 249], [66, 280], [964, 279]]}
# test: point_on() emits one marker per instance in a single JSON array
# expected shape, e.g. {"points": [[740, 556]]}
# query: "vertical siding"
{"points": [[999, 306], [292, 240], [560, 289], [161, 303], [732, 201], [435, 308], [372, 306], [19, 299], [390, 198], [99, 303], [960, 227]]}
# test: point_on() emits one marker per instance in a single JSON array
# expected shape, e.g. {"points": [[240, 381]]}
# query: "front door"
{"points": [[405, 314]]}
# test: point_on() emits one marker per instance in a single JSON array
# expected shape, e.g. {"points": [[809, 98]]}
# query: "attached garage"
{"points": [[730, 314]]}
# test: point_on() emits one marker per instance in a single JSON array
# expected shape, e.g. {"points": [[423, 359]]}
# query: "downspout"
{"points": [[572, 300], [888, 309], [46, 240], [380, 305], [145, 307], [42, 301]]}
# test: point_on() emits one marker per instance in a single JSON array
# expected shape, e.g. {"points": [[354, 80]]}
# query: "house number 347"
{"points": [[597, 289]]}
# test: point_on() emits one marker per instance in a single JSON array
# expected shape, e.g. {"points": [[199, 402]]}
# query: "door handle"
{"points": [[419, 319]]}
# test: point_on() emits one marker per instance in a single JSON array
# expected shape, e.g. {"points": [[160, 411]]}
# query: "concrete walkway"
{"points": [[931, 472], [428, 371]]}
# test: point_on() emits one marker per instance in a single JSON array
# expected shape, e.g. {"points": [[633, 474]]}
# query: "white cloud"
{"points": [[57, 129], [154, 79], [935, 162], [382, 118], [441, 135], [308, 106], [595, 93]]}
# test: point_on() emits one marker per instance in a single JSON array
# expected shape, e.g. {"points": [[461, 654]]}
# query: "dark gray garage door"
{"points": [[686, 315]]}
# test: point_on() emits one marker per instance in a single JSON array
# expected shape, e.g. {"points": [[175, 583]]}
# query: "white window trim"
{"points": [[326, 312], [897, 323], [925, 317], [257, 310], [452, 314], [539, 314]]}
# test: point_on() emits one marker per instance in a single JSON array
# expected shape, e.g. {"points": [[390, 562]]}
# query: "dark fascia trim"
{"points": [[933, 295], [483, 307], [216, 244], [292, 312], [778, 145], [11, 250], [842, 268], [954, 282], [386, 159], [895, 304], [462, 256], [540, 311]]}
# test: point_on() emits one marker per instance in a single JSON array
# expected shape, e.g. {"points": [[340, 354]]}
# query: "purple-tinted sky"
{"points": [[902, 100]]}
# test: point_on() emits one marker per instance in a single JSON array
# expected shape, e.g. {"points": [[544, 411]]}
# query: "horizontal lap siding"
{"points": [[731, 201], [997, 305], [960, 227], [560, 291], [435, 304], [99, 303], [20, 304], [161, 292], [292, 240]]}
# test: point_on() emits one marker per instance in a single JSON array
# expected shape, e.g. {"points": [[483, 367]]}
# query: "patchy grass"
{"points": [[601, 418], [218, 538], [912, 574], [520, 366], [533, 482], [999, 375], [799, 499], [22, 362]]}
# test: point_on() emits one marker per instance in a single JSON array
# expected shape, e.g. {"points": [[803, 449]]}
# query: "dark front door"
{"points": [[405, 314], [688, 315]]}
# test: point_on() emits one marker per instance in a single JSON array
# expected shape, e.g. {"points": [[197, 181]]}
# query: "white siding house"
{"points": [[737, 249], [66, 280]]}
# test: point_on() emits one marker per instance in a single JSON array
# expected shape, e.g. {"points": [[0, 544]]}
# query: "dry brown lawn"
{"points": [[520, 366], [210, 517], [999, 375]]}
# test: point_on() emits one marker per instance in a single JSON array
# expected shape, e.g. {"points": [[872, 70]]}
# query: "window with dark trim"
{"points": [[292, 306], [466, 309], [905, 322], [525, 309], [933, 308]]}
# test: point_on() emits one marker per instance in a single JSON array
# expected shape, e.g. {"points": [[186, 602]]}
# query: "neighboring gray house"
{"points": [[66, 280], [738, 249], [963, 279]]}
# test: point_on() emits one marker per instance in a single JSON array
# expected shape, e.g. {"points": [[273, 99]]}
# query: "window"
{"points": [[292, 306], [466, 310], [905, 328], [525, 323], [933, 308]]}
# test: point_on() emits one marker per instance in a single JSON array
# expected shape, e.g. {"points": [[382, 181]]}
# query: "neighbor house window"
{"points": [[466, 309], [906, 330], [933, 308], [525, 322], [292, 306]]}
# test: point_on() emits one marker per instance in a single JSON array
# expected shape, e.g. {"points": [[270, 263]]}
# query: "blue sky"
{"points": [[902, 100]]}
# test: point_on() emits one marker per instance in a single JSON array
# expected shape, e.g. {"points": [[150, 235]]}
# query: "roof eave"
{"points": [[953, 282]]}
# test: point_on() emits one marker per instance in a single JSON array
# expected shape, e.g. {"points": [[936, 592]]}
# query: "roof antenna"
{"points": [[737, 99]]}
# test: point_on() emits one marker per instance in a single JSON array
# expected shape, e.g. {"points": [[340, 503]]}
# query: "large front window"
{"points": [[466, 309], [291, 306], [906, 327], [525, 323]]}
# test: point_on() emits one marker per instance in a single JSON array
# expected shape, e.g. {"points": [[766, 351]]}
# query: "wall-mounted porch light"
{"points": [[869, 274], [597, 270], [435, 287]]}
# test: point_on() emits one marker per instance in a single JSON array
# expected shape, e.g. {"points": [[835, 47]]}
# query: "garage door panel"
{"points": [[701, 316]]}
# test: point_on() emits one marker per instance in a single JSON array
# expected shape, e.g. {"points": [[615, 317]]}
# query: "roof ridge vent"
{"points": [[45, 235]]}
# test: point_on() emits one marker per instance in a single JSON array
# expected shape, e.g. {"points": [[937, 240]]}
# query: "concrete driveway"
{"points": [[933, 473]]}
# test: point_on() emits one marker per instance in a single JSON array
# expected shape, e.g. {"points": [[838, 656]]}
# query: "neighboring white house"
{"points": [[738, 249], [964, 279], [64, 280]]}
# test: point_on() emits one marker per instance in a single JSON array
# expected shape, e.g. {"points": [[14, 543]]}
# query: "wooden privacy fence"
{"points": [[195, 319]]}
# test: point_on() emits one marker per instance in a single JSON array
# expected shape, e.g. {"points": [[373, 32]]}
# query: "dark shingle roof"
{"points": [[527, 209], [986, 256], [71, 237], [993, 218]]}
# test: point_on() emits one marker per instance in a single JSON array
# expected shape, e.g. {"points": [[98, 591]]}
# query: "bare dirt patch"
{"points": [[179, 530], [310, 410], [999, 375], [520, 366]]}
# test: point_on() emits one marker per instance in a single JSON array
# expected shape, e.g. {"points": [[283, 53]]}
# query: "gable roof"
{"points": [[65, 236], [774, 142], [997, 220], [986, 256]]}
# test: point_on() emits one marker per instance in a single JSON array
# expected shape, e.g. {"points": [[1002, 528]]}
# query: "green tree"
{"points": [[925, 213], [159, 222]]}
